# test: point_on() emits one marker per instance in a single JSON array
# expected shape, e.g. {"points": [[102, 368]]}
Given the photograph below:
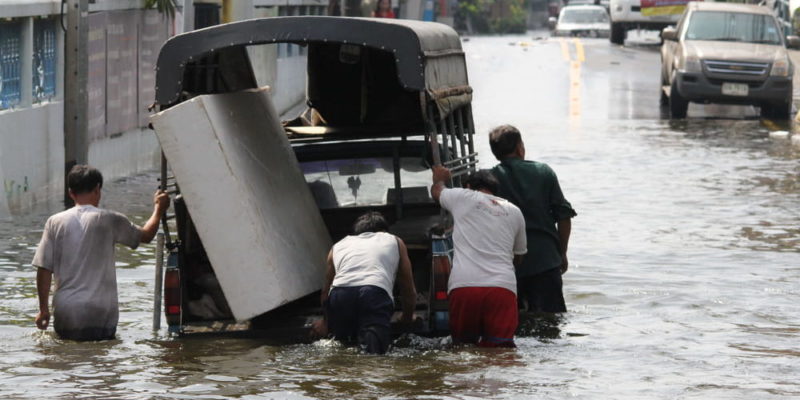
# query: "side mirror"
{"points": [[551, 23], [669, 33], [793, 42]]}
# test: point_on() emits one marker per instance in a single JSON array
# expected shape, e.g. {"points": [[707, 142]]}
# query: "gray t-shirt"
{"points": [[78, 247]]}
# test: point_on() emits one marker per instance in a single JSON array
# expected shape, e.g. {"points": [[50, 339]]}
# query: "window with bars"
{"points": [[44, 59], [10, 63]]}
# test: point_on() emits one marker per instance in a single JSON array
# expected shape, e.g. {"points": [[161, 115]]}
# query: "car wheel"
{"points": [[765, 111], [663, 99], [617, 33], [677, 104], [776, 111]]}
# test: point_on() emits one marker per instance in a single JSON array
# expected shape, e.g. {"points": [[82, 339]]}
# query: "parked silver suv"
{"points": [[727, 53]]}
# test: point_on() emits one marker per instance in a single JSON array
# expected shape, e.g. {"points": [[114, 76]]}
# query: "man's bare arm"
{"points": [[440, 176], [44, 279], [518, 259], [564, 230], [330, 273], [150, 228], [406, 281]]}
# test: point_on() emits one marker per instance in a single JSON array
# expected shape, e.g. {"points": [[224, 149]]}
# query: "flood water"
{"points": [[683, 280]]}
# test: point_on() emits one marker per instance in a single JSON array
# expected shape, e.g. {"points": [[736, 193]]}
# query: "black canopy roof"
{"points": [[428, 56]]}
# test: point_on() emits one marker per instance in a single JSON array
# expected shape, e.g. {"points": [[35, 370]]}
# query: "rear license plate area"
{"points": [[735, 89]]}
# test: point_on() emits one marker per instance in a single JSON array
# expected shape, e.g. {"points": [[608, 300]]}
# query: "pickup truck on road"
{"points": [[730, 54], [258, 201]]}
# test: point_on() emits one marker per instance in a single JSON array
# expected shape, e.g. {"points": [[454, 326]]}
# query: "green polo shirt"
{"points": [[534, 188]]}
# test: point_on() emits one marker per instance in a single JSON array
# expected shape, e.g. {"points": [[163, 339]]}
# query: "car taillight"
{"points": [[172, 296]]}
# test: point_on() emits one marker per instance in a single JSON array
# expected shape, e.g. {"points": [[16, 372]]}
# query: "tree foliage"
{"points": [[166, 7], [493, 16]]}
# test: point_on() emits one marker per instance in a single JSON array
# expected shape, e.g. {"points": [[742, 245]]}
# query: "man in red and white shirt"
{"points": [[489, 240]]}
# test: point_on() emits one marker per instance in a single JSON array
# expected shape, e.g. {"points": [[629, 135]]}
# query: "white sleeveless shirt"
{"points": [[370, 258]]}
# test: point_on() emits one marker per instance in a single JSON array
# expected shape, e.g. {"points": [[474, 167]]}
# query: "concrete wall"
{"points": [[289, 91], [32, 161], [126, 154], [31, 157], [286, 77], [32, 135], [284, 74]]}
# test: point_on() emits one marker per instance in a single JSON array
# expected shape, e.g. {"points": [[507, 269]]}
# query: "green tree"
{"points": [[166, 7], [796, 21], [493, 16], [514, 21]]}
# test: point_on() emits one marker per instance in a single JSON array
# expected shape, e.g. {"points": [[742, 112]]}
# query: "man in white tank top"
{"points": [[489, 241], [77, 248], [357, 294]]}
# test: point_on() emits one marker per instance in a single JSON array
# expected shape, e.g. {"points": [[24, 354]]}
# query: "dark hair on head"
{"points": [[482, 179], [504, 140], [371, 221], [83, 179]]}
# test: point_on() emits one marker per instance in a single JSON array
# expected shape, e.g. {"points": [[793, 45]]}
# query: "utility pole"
{"points": [[237, 10], [76, 97]]}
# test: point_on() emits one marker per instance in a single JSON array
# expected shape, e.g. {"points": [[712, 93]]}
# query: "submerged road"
{"points": [[683, 280]]}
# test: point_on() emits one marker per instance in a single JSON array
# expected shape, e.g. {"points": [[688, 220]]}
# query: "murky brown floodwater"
{"points": [[683, 280]]}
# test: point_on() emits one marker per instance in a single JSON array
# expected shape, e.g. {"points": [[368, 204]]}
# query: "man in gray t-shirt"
{"points": [[77, 247]]}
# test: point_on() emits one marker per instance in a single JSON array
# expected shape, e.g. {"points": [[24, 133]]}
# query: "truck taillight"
{"points": [[441, 273], [172, 296]]}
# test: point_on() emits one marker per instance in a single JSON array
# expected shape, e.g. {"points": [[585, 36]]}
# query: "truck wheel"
{"points": [[677, 104], [663, 100], [617, 33], [777, 111], [765, 111]]}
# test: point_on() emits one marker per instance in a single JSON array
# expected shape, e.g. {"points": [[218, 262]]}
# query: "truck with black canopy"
{"points": [[258, 201]]}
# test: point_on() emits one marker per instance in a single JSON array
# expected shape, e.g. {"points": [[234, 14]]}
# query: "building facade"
{"points": [[123, 44]]}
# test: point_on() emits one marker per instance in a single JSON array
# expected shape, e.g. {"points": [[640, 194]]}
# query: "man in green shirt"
{"points": [[533, 187]]}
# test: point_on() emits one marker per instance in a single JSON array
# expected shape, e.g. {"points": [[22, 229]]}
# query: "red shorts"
{"points": [[486, 316]]}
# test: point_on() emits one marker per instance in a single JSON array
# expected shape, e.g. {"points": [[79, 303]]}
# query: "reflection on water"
{"points": [[683, 283]]}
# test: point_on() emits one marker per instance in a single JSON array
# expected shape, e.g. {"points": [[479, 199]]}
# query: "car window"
{"points": [[360, 182], [733, 27], [584, 16]]}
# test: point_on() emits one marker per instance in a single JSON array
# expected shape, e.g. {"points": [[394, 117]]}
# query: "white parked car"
{"points": [[583, 21]]}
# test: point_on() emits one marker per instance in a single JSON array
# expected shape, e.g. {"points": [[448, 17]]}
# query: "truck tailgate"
{"points": [[249, 201]]}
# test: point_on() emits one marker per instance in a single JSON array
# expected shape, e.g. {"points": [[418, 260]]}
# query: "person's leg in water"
{"points": [[543, 292], [374, 318], [465, 320], [342, 313], [500, 318]]}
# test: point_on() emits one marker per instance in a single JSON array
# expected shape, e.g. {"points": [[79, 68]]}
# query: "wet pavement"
{"points": [[683, 280]]}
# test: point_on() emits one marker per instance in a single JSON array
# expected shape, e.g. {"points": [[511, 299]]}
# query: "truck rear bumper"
{"points": [[645, 25]]}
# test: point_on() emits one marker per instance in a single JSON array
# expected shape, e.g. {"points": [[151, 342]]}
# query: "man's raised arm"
{"points": [[160, 204], [440, 176]]}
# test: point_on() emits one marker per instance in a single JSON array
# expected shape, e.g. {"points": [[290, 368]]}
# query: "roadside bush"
{"points": [[514, 22], [492, 16]]}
